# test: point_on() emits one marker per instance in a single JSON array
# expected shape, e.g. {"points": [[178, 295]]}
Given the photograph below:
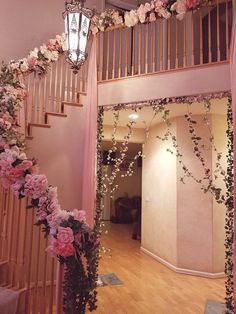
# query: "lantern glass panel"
{"points": [[84, 33]]}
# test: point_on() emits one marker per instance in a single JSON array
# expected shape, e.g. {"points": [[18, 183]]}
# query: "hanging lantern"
{"points": [[77, 26]]}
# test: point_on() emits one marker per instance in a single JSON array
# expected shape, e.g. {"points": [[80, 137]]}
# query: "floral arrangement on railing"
{"points": [[145, 13], [40, 59], [73, 242]]}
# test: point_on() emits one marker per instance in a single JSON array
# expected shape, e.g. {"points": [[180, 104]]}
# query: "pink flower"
{"points": [[158, 5], [50, 46], [35, 185], [147, 7], [79, 215], [62, 245], [152, 17], [180, 7], [53, 206], [192, 4], [65, 235], [59, 248], [32, 61]]}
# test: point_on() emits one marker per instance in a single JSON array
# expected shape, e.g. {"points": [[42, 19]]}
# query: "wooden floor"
{"points": [[149, 287]]}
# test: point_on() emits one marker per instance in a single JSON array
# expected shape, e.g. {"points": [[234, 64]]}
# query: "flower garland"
{"points": [[145, 13], [73, 242]]}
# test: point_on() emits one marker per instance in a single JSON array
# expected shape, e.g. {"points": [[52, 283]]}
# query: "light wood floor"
{"points": [[149, 287]]}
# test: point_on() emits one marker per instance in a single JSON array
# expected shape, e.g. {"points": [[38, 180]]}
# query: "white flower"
{"points": [[34, 53], [94, 29], [117, 19], [22, 156], [131, 18], [24, 66], [52, 41], [164, 13], [61, 39], [180, 6]]}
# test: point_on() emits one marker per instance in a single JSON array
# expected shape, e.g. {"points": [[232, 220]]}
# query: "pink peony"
{"points": [[79, 215], [59, 248], [65, 235], [35, 185]]}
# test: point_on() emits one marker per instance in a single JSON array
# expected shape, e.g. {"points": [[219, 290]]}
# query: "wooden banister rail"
{"points": [[25, 266], [201, 38]]}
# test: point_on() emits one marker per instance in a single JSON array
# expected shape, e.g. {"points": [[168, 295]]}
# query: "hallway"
{"points": [[149, 287]]}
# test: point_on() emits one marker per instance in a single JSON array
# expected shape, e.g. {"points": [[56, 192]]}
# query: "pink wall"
{"points": [[194, 208], [181, 225], [159, 193], [60, 156], [26, 24], [170, 84]]}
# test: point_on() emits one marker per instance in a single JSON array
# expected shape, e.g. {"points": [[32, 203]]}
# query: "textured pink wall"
{"points": [[181, 224], [60, 156], [26, 24], [194, 208]]}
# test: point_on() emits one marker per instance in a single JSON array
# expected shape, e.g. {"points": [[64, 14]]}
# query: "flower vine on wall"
{"points": [[208, 181], [72, 241]]}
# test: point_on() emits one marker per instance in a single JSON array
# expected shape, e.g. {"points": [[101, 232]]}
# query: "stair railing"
{"points": [[46, 94], [201, 38], [25, 266]]}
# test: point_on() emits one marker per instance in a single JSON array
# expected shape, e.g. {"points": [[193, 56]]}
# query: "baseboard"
{"points": [[183, 270]]}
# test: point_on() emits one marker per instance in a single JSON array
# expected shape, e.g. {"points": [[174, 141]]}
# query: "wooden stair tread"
{"points": [[39, 125], [76, 104], [57, 114], [29, 137]]}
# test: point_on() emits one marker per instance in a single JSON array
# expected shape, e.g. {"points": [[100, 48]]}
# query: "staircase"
{"points": [[27, 272]]}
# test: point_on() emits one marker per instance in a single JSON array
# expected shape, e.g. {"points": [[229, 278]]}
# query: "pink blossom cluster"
{"points": [[62, 245], [10, 174], [35, 185]]}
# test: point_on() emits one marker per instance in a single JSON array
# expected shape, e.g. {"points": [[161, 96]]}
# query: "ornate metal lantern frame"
{"points": [[77, 29]]}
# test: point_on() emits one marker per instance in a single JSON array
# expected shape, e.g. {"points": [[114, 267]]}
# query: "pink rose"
{"points": [[59, 248], [32, 62], [79, 215], [65, 235]]}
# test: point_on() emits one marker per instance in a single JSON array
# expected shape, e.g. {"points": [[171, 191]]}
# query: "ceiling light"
{"points": [[133, 116]]}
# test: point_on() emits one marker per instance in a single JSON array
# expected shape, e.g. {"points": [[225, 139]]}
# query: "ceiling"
{"points": [[147, 119]]}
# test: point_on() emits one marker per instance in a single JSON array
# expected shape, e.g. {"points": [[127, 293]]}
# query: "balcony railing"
{"points": [[201, 38]]}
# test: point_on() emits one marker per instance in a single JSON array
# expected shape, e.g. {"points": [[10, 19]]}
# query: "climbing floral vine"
{"points": [[208, 181]]}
